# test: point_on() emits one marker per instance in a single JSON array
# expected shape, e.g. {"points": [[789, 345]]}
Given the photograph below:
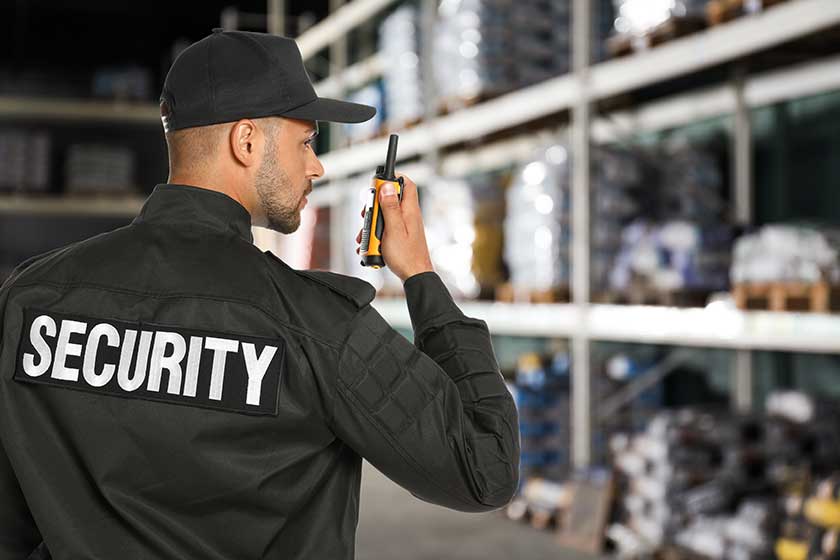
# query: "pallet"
{"points": [[452, 104], [817, 297], [386, 129], [721, 11], [673, 552], [508, 294], [673, 28], [541, 519]]}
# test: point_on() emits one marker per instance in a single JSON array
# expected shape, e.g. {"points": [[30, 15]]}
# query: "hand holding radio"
{"points": [[404, 239], [393, 227]]}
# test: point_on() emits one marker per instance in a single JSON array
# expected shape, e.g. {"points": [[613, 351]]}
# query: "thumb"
{"points": [[390, 205]]}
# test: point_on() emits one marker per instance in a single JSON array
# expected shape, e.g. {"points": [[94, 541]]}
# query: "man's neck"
{"points": [[214, 184]]}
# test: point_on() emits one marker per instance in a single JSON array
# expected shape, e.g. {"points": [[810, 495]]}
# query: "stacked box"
{"points": [[449, 216], [484, 48], [399, 46], [473, 49], [537, 224], [747, 535], [124, 83], [487, 190], [637, 17], [731, 487], [542, 40], [91, 168], [374, 96], [542, 396], [683, 239], [24, 161], [618, 176]]}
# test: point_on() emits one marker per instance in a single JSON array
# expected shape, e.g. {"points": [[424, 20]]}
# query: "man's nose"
{"points": [[316, 169]]}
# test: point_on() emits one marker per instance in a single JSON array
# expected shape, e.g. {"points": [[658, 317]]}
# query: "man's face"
{"points": [[285, 175]]}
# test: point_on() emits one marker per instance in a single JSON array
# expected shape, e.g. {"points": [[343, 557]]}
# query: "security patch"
{"points": [[149, 361]]}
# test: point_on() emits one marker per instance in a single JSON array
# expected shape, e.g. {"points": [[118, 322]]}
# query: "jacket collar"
{"points": [[186, 205]]}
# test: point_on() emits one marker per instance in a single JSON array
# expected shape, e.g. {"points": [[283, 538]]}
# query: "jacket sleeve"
{"points": [[436, 416]]}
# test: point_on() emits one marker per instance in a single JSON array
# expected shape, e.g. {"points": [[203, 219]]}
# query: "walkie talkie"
{"points": [[374, 223]]}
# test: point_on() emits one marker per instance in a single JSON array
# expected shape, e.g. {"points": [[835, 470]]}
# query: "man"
{"points": [[169, 391]]}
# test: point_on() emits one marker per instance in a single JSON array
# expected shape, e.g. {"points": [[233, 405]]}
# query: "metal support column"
{"points": [[277, 17], [428, 16], [338, 231], [742, 168], [742, 178], [742, 386], [581, 132]]}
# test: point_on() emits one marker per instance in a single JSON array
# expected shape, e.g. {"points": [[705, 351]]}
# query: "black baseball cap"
{"points": [[232, 75]]}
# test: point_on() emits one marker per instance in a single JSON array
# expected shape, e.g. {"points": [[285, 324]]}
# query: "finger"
{"points": [[359, 237], [390, 205], [410, 200], [364, 208]]}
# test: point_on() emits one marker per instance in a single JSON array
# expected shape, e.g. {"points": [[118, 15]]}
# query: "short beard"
{"points": [[274, 188]]}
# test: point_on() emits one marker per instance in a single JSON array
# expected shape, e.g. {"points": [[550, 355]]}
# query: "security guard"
{"points": [[170, 391]]}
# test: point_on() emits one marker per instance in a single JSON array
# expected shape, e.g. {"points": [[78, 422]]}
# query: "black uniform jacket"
{"points": [[170, 391]]}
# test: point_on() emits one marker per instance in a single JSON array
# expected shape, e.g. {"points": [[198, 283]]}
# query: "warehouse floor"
{"points": [[395, 524]]}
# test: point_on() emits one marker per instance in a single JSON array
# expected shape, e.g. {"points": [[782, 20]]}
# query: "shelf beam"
{"points": [[338, 24], [79, 110], [715, 326], [71, 205], [353, 77]]}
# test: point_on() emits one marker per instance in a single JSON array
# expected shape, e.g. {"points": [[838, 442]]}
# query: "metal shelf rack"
{"points": [[581, 321]]}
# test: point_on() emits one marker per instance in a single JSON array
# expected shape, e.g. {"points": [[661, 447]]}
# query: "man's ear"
{"points": [[245, 142]]}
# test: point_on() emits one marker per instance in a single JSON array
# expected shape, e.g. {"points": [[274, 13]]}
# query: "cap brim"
{"points": [[332, 110]]}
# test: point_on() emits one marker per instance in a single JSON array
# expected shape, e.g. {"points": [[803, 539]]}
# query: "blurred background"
{"points": [[640, 197]]}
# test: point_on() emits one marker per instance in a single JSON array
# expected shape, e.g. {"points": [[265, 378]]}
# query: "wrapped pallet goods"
{"points": [[727, 486], [484, 48], [537, 224], [543, 402], [95, 168], [25, 160], [473, 49], [399, 43], [640, 16], [781, 252], [373, 95], [787, 267], [449, 216], [642, 24]]}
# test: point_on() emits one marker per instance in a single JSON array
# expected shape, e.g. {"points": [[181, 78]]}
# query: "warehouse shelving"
{"points": [[575, 93]]}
